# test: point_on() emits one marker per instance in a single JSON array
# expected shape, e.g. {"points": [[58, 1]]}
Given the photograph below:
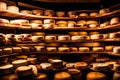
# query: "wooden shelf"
{"points": [[10, 14], [53, 53], [115, 26]]}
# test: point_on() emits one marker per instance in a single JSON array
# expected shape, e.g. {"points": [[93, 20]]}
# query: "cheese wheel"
{"points": [[82, 33], [37, 12], [95, 76], [46, 66], [81, 65], [103, 11], [22, 57], [57, 63], [97, 49], [83, 14], [32, 60], [49, 21], [3, 6], [91, 22], [4, 21], [25, 49], [62, 23], [104, 24], [51, 49], [71, 23], [10, 76], [26, 12], [18, 38], [99, 66], [34, 70], [60, 13], [82, 37], [7, 50], [81, 23], [114, 20], [16, 49], [71, 14], [36, 21], [24, 71], [13, 9], [114, 35], [84, 49], [49, 13], [97, 36], [116, 67], [42, 76], [109, 48], [50, 37], [63, 37], [38, 34], [63, 49], [94, 14], [73, 48], [39, 48], [18, 63], [37, 38], [75, 73], [70, 65], [73, 33], [6, 69], [116, 50], [62, 76]]}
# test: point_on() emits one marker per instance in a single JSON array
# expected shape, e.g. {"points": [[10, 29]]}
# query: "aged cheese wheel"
{"points": [[25, 49], [42, 76], [83, 14], [63, 37], [6, 69], [114, 20], [97, 36], [13, 9], [4, 21], [39, 48], [109, 48], [116, 50], [37, 12], [49, 21], [81, 65], [22, 57], [57, 63], [50, 37], [71, 14], [96, 76], [62, 23], [73, 48], [73, 33], [49, 13], [71, 23], [100, 66], [60, 13], [75, 73], [36, 21], [70, 65], [16, 49], [3, 6], [81, 23], [46, 66], [32, 60], [9, 77], [84, 49], [63, 49], [62, 76], [7, 50], [38, 34], [18, 63], [24, 71], [103, 11], [51, 49], [97, 49], [26, 12], [37, 38], [94, 14], [34, 70], [81, 37], [114, 35]]}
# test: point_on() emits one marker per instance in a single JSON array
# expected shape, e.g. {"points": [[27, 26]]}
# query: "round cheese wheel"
{"points": [[46, 66], [42, 76], [50, 37], [116, 50], [84, 49], [9, 77], [49, 13], [81, 23], [63, 49], [34, 70], [16, 49], [73, 33], [39, 48], [94, 14], [82, 37], [62, 76], [22, 57], [7, 50], [56, 63], [51, 49], [71, 23], [73, 48], [26, 12], [81, 65], [99, 66], [60, 13], [71, 14], [6, 69], [3, 6], [62, 23], [109, 48], [70, 65], [37, 12], [103, 11], [36, 21], [97, 36], [4, 21], [25, 49], [95, 76], [37, 38], [38, 34], [116, 67], [32, 60], [13, 9], [63, 37], [24, 71], [75, 73], [92, 22], [83, 14], [97, 49], [114, 20], [18, 63]]}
